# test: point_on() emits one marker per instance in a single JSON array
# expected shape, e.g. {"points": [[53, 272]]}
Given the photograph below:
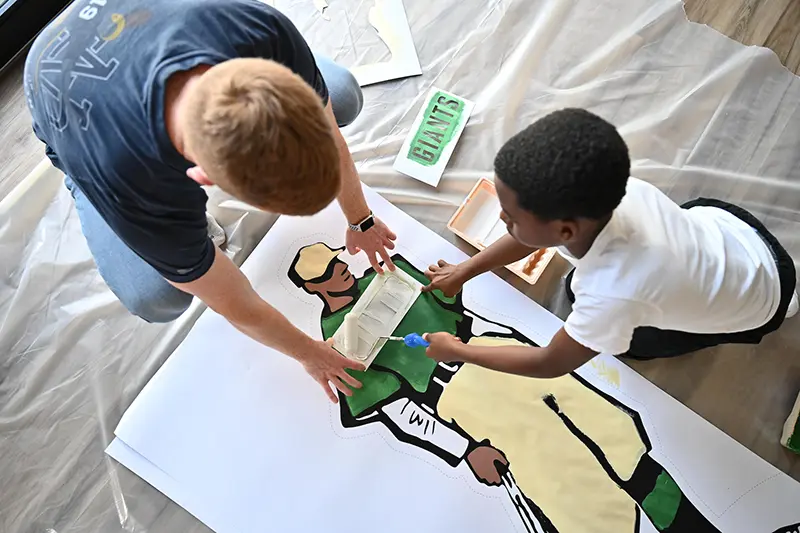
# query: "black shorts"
{"points": [[652, 343]]}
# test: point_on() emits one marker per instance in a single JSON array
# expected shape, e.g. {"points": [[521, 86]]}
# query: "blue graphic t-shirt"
{"points": [[95, 81]]}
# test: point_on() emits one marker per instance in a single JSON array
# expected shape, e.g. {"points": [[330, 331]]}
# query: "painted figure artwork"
{"points": [[565, 453]]}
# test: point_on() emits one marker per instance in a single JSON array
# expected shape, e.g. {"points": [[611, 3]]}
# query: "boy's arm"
{"points": [[451, 278], [502, 252], [561, 356]]}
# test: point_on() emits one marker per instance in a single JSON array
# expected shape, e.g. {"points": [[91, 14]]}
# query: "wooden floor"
{"points": [[771, 23], [20, 150]]}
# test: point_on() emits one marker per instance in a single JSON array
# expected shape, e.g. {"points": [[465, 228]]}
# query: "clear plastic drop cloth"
{"points": [[703, 116]]}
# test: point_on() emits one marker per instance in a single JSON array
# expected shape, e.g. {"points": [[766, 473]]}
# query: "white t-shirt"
{"points": [[700, 270]]}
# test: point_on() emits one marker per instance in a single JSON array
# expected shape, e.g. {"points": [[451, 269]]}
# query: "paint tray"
{"points": [[477, 221], [380, 310]]}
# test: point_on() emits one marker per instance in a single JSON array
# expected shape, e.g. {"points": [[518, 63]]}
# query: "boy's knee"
{"points": [[159, 306]]}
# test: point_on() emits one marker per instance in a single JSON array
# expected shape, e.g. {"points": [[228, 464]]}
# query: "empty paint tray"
{"points": [[477, 221], [379, 311]]}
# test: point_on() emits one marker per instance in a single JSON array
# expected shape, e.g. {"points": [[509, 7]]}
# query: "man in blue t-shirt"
{"points": [[140, 102]]}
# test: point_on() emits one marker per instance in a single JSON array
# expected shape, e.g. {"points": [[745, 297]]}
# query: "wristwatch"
{"points": [[364, 225]]}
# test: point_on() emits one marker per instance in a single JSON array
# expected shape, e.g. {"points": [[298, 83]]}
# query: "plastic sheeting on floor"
{"points": [[703, 116]]}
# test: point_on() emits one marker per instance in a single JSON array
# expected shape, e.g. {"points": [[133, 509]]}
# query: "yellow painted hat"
{"points": [[313, 260]]}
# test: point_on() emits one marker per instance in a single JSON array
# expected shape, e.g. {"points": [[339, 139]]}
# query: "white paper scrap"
{"points": [[388, 17]]}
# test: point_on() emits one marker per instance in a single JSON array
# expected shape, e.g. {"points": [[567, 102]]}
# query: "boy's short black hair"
{"points": [[569, 164]]}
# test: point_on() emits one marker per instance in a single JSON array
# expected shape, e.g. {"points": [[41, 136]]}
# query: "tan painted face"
{"points": [[339, 290], [340, 281]]}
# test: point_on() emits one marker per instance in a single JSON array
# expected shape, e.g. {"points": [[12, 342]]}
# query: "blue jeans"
{"points": [[140, 288]]}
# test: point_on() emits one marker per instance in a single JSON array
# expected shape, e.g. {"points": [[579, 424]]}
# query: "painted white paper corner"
{"points": [[388, 17], [433, 136]]}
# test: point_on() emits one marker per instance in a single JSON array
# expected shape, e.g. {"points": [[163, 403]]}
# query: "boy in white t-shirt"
{"points": [[651, 278]]}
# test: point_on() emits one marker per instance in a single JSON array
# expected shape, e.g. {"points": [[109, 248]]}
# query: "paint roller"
{"points": [[351, 334]]}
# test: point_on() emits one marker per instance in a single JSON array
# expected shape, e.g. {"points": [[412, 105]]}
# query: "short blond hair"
{"points": [[262, 134]]}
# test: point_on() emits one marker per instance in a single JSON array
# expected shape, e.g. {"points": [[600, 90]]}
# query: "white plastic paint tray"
{"points": [[477, 221], [381, 308]]}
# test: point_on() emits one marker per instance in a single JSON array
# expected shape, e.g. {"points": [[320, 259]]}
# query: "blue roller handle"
{"points": [[414, 340]]}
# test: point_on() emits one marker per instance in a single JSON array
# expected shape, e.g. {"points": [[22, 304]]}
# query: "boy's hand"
{"points": [[446, 277], [444, 347], [374, 242]]}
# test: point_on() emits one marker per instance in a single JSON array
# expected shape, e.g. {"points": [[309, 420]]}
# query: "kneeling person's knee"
{"points": [[160, 306], [347, 100]]}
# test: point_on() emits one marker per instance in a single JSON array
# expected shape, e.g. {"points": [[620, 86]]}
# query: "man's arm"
{"points": [[351, 197], [561, 356], [375, 241], [451, 278], [226, 290]]}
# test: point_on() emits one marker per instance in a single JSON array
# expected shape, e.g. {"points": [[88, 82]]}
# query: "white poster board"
{"points": [[244, 440], [388, 19]]}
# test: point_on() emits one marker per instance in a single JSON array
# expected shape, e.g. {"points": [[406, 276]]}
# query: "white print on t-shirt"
{"points": [[90, 11], [50, 75]]}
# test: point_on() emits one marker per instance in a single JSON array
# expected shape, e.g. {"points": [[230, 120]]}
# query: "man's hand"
{"points": [[374, 242], [228, 292], [326, 365], [445, 277], [444, 347], [483, 462]]}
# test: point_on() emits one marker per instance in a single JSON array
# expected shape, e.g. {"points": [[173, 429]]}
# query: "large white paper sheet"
{"points": [[244, 440]]}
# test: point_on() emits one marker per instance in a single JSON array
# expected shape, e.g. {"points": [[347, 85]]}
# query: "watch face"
{"points": [[367, 224]]}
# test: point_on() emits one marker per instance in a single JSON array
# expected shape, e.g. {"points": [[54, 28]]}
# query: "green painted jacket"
{"points": [[396, 361]]}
